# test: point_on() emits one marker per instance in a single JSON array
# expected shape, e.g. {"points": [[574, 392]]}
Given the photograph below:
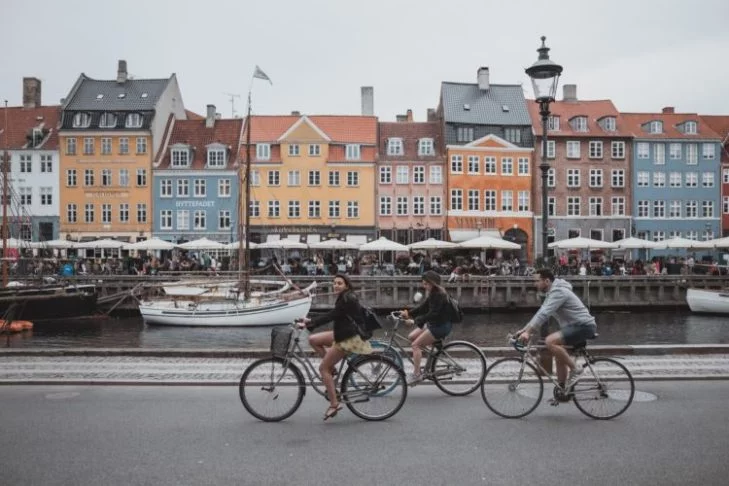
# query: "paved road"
{"points": [[73, 435]]}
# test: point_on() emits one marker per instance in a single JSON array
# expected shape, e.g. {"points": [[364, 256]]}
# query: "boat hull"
{"points": [[708, 301], [49, 303]]}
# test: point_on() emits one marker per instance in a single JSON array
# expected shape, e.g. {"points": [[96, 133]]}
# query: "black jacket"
{"points": [[346, 308], [433, 310]]}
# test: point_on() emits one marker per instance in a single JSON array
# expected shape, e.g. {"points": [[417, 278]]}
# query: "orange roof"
{"points": [[195, 134], [21, 122], [594, 110], [636, 121], [720, 124], [340, 129], [191, 115]]}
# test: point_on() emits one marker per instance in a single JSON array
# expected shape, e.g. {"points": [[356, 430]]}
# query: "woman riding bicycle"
{"points": [[344, 339], [435, 312]]}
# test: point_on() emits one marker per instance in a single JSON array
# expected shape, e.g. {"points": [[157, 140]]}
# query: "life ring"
{"points": [[15, 326]]}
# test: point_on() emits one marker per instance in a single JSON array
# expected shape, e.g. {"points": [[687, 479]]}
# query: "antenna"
{"points": [[232, 97]]}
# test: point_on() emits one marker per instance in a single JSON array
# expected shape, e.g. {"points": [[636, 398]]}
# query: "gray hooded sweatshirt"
{"points": [[562, 304]]}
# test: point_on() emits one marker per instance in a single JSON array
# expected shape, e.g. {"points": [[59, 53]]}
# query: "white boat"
{"points": [[226, 289], [708, 301]]}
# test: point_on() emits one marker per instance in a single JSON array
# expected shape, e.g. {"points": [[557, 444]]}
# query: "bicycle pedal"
{"points": [[553, 402]]}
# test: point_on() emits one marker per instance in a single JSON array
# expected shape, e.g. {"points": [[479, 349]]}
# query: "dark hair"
{"points": [[546, 273], [346, 279]]}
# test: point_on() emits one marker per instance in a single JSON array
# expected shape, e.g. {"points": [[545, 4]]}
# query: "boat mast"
{"points": [[246, 208], [6, 192]]}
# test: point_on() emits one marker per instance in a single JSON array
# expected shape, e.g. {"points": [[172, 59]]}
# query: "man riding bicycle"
{"points": [[575, 322]]}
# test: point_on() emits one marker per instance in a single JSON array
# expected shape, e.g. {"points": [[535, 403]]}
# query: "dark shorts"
{"points": [[441, 330], [576, 333]]}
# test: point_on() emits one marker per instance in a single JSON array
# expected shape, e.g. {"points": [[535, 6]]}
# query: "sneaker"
{"points": [[574, 377], [414, 379]]}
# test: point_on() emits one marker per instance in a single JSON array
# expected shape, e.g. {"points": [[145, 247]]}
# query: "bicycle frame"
{"points": [[395, 342], [529, 352]]}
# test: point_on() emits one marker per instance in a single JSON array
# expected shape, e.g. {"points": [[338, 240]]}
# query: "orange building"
{"points": [[489, 188]]}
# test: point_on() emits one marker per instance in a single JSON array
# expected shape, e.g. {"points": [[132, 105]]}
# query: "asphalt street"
{"points": [[184, 435]]}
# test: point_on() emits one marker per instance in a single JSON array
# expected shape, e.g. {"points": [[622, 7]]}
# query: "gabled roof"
{"points": [[594, 110], [636, 121], [107, 95], [720, 124], [339, 129], [501, 104], [191, 115], [304, 120], [197, 136], [21, 122], [411, 133]]}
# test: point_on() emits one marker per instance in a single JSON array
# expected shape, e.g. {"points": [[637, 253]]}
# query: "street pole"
{"points": [[544, 166]]}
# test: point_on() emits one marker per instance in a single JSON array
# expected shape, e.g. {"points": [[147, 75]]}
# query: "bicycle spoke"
{"points": [[605, 390], [459, 368], [271, 389], [512, 388], [374, 388]]}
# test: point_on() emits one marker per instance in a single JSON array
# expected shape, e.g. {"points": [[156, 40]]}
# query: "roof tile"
{"points": [[21, 122], [501, 104], [198, 136]]}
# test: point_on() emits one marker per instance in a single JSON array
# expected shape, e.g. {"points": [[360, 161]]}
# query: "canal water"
{"points": [[490, 329]]}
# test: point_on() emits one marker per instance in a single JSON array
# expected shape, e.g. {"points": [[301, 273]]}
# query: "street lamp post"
{"points": [[545, 77]]}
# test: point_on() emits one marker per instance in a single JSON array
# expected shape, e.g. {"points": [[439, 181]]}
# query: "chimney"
{"points": [[569, 92], [483, 78], [431, 117], [121, 72], [401, 118], [669, 109], [410, 115], [296, 113], [210, 118], [31, 92], [368, 101]]}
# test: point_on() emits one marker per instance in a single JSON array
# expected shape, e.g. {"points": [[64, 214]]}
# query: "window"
{"points": [[692, 154], [88, 146], [124, 177], [352, 178], [674, 209], [142, 146], [46, 195], [70, 146], [273, 178], [643, 209], [180, 158], [457, 164], [618, 178], [674, 151], [199, 188], [595, 149], [692, 209], [105, 146], [659, 235], [394, 146], [263, 151], [141, 177], [674, 234], [223, 187], [512, 135], [551, 148], [352, 209], [81, 120], [708, 151], [608, 124], [401, 206], [315, 209], [314, 150], [457, 199], [333, 177], [46, 164], [573, 150], [106, 213], [642, 179], [489, 200], [224, 219], [255, 209], [26, 196], [553, 123], [314, 178], [402, 174], [418, 205], [294, 209], [489, 164], [426, 147], [419, 174], [595, 206], [708, 235], [643, 150], [436, 174], [507, 200], [579, 123], [123, 145], [474, 196], [659, 153], [106, 177], [124, 212], [674, 179], [134, 120], [88, 177], [183, 188], [464, 134], [353, 152], [659, 179], [25, 164], [473, 164], [183, 219], [573, 177], [294, 150], [551, 206], [71, 213], [707, 179], [142, 214], [507, 166], [689, 128], [274, 209], [656, 127], [199, 220], [89, 213], [334, 209], [692, 179], [617, 150], [385, 174], [725, 176], [523, 201], [618, 205], [255, 178], [216, 158], [573, 206], [707, 209], [659, 209], [595, 177], [523, 169], [385, 206], [165, 219], [436, 205], [725, 205]]}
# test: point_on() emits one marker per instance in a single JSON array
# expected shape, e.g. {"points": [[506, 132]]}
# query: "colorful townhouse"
{"points": [[110, 132], [410, 181], [196, 179], [675, 175], [312, 177], [589, 185], [720, 124], [31, 137]]}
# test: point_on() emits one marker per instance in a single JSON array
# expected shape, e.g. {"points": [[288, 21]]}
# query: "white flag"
{"points": [[258, 73]]}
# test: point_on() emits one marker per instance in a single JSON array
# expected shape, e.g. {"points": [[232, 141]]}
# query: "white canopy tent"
{"points": [[54, 244], [202, 244], [334, 244], [151, 244], [717, 243], [237, 244], [284, 244], [678, 242], [104, 244], [383, 244], [581, 243], [633, 243], [489, 243], [432, 244]]}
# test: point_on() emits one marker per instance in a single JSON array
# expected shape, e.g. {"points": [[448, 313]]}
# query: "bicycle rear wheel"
{"points": [[272, 389], [458, 368], [388, 351], [374, 387], [605, 390], [512, 388]]}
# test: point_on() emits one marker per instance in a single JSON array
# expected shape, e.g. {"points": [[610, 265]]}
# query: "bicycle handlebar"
{"points": [[516, 343]]}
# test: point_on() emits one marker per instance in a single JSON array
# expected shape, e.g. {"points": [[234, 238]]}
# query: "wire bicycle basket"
{"points": [[280, 341]]}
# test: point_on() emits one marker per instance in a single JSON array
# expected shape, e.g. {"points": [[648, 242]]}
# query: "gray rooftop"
{"points": [[87, 96], [485, 107]]}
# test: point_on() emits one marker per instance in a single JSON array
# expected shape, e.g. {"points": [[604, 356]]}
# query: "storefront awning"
{"points": [[462, 235]]}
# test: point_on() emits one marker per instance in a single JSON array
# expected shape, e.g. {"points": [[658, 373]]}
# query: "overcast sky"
{"points": [[642, 54]]}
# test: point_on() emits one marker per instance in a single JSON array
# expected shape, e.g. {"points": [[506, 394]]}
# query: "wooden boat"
{"points": [[708, 301]]}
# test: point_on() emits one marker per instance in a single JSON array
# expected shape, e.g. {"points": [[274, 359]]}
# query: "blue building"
{"points": [[196, 180], [676, 177]]}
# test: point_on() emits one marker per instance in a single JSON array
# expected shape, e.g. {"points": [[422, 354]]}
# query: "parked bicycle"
{"points": [[513, 387], [272, 389]]}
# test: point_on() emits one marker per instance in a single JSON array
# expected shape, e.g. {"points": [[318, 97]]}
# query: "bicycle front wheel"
{"points": [[374, 387], [386, 350], [458, 368], [605, 390], [271, 389], [512, 388]]}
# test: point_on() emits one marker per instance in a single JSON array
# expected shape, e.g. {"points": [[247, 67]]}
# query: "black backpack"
{"points": [[367, 323], [454, 310]]}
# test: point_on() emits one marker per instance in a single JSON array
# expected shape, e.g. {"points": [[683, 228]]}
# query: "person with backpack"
{"points": [[435, 311]]}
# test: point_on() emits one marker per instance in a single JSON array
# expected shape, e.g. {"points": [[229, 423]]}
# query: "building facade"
{"points": [[110, 131], [675, 175], [589, 184], [410, 181], [196, 180], [720, 124]]}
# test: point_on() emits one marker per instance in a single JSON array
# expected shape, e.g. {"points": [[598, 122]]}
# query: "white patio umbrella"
{"points": [[432, 244], [16, 243], [154, 243], [580, 243], [489, 243], [383, 244], [717, 243], [284, 244], [202, 244], [633, 243], [105, 244], [678, 242], [333, 244], [236, 245]]}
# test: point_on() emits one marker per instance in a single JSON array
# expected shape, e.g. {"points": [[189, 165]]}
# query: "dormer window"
{"points": [[394, 146], [553, 123], [608, 124], [579, 123], [81, 120], [107, 120], [689, 128], [216, 157], [655, 127], [425, 146], [263, 151], [352, 152], [134, 120], [180, 157]]}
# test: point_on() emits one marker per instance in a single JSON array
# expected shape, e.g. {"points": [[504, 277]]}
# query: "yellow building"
{"points": [[110, 131], [312, 177]]}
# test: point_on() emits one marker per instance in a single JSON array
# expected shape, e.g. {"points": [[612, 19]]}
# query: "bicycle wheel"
{"points": [[271, 389], [605, 390], [512, 388], [368, 398], [458, 368], [386, 350]]}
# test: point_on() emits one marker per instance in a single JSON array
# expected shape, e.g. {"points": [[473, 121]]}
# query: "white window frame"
{"points": [[595, 149], [643, 209], [708, 151], [352, 209], [200, 220], [675, 180], [293, 178], [489, 165], [573, 177], [353, 151], [489, 200], [426, 147], [595, 206], [81, 120], [659, 209], [418, 205], [165, 219], [182, 219], [333, 178], [596, 178], [314, 150], [473, 200], [474, 164], [183, 188], [507, 166], [224, 219], [263, 151], [659, 179], [385, 206], [617, 206], [124, 212], [419, 174], [692, 154], [507, 200], [551, 177], [133, 120], [523, 166], [395, 146], [402, 174], [691, 179], [691, 209], [436, 206], [436, 174], [617, 178], [216, 158], [180, 158], [294, 150], [642, 150], [314, 209], [352, 178], [574, 205], [674, 209], [675, 151], [523, 203], [401, 206], [659, 153], [456, 199], [707, 179], [385, 174], [573, 149], [294, 209], [456, 164]]}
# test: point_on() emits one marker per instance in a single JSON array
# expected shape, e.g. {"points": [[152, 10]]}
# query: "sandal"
{"points": [[332, 411]]}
